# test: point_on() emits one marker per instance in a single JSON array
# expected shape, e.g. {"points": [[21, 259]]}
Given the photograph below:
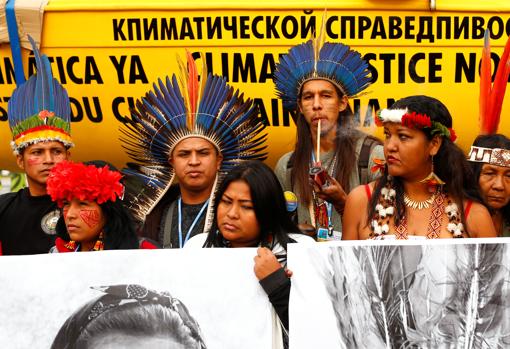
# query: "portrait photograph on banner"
{"points": [[435, 294], [134, 299]]}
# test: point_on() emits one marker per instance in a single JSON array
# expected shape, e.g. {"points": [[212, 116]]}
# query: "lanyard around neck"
{"points": [[313, 158], [197, 218]]}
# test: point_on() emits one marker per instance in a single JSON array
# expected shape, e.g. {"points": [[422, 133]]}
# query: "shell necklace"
{"points": [[418, 205]]}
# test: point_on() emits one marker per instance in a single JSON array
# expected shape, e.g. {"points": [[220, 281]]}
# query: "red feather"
{"points": [[192, 85], [499, 89], [485, 84]]}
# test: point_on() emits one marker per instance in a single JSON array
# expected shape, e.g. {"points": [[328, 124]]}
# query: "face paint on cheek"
{"points": [[34, 161], [90, 217]]}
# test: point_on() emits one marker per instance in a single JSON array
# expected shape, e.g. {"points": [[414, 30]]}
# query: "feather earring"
{"points": [[99, 245], [432, 180]]}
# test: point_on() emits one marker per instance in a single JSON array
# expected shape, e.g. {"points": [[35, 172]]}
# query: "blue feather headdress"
{"points": [[39, 109], [180, 108], [315, 60]]}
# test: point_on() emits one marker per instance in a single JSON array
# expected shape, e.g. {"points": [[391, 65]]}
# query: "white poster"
{"points": [[428, 294], [207, 298]]}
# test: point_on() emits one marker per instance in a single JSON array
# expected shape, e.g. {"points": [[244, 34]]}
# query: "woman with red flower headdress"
{"points": [[427, 189], [94, 218]]}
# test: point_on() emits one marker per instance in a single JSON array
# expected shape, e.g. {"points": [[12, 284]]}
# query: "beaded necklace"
{"points": [[385, 209]]}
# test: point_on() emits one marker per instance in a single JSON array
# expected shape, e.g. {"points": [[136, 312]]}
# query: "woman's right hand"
{"points": [[265, 263]]}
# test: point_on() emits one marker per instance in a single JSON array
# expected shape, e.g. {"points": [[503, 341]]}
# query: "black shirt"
{"points": [[27, 223], [189, 214]]}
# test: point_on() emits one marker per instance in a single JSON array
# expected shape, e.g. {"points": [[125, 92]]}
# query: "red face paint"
{"points": [[65, 211], [34, 161], [90, 217]]}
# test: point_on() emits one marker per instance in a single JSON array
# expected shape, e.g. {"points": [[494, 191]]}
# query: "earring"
{"points": [[99, 245], [379, 166], [432, 179], [70, 245]]}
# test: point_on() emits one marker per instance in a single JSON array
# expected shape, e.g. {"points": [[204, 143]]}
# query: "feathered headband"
{"points": [[68, 180], [414, 120], [491, 102], [315, 60], [180, 108], [39, 109]]}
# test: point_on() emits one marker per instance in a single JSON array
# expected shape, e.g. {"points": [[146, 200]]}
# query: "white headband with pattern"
{"points": [[493, 156]]}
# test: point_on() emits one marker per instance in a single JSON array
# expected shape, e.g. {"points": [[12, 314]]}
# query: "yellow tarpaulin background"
{"points": [[108, 53]]}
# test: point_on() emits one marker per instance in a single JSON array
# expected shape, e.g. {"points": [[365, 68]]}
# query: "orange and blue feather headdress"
{"points": [[316, 60], [178, 108], [39, 109]]}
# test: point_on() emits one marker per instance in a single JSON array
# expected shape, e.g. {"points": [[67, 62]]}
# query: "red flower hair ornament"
{"points": [[414, 120], [69, 180]]}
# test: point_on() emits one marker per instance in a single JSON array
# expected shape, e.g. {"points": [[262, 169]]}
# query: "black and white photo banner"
{"points": [[434, 294], [206, 298]]}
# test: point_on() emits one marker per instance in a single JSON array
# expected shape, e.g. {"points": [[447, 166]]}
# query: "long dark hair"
{"points": [[491, 141], [268, 202], [450, 163], [346, 137], [119, 230]]}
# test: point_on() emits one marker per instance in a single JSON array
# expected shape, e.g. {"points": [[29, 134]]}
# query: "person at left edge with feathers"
{"points": [[39, 119]]}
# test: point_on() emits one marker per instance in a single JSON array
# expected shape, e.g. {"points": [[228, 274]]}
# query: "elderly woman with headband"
{"points": [[427, 190], [490, 154], [490, 161]]}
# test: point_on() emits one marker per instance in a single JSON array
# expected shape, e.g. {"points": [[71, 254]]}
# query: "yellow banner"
{"points": [[108, 57]]}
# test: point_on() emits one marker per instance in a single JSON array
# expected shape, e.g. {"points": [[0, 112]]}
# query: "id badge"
{"points": [[322, 234]]}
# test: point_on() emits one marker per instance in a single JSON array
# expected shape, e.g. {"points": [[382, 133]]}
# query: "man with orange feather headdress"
{"points": [[194, 129]]}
